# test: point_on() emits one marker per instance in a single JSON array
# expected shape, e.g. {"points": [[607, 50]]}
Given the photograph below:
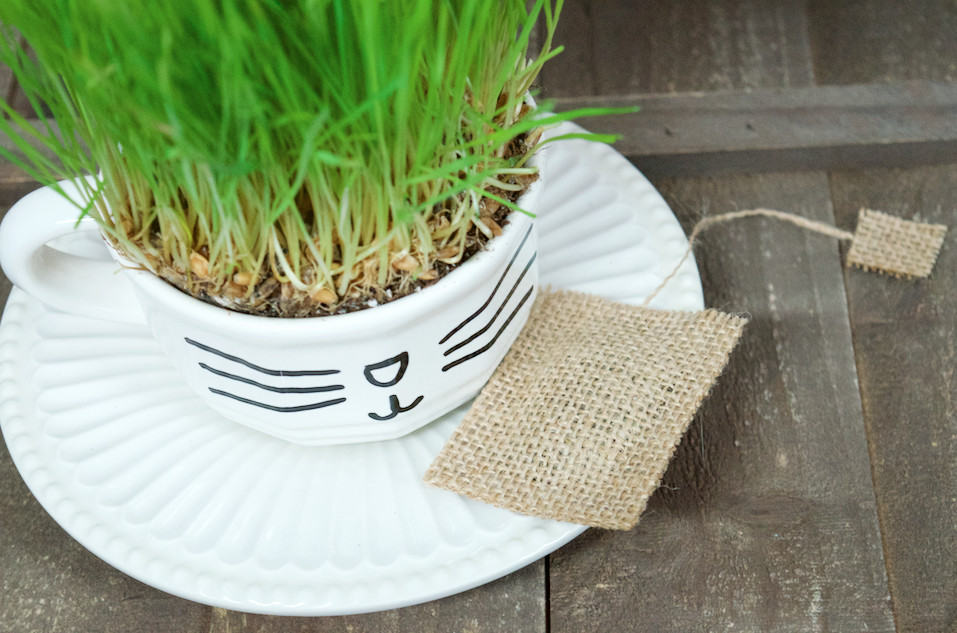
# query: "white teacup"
{"points": [[370, 375]]}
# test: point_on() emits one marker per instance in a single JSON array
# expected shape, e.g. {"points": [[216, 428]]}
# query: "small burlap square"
{"points": [[901, 248], [579, 421]]}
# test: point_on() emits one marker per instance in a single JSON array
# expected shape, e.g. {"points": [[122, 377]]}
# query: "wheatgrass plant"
{"points": [[284, 158]]}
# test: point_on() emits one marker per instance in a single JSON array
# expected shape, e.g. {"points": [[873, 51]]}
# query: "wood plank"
{"points": [[7, 83], [21, 104], [863, 41], [797, 159], [12, 93], [514, 603], [766, 519], [14, 182], [48, 581], [763, 129], [905, 339], [615, 46]]}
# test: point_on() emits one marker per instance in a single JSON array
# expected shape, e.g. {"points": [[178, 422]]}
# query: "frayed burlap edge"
{"points": [[581, 418]]}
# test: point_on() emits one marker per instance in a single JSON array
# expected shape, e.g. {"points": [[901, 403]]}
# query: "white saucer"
{"points": [[136, 469]]}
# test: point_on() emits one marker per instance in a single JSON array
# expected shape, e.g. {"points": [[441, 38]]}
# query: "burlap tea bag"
{"points": [[902, 248], [881, 243], [579, 421]]}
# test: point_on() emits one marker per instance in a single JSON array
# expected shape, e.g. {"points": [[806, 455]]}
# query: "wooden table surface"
{"points": [[817, 488]]}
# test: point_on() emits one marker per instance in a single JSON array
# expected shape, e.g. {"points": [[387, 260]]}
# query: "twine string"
{"points": [[804, 223]]}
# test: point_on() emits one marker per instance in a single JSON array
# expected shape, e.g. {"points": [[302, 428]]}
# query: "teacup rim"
{"points": [[380, 318]]}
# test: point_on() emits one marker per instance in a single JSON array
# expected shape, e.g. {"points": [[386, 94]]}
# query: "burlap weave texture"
{"points": [[581, 418], [888, 244]]}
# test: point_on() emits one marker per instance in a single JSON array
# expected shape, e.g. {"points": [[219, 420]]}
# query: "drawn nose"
{"points": [[377, 373]]}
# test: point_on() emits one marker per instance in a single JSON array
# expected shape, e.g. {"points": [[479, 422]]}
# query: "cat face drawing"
{"points": [[373, 389]]}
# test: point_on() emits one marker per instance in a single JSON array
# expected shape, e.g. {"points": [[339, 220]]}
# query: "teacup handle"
{"points": [[79, 285]]}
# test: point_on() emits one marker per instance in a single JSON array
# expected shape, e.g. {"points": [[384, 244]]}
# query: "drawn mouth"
{"points": [[396, 408]]}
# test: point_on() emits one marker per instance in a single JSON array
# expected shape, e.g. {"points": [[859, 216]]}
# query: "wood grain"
{"points": [[11, 92], [905, 340], [7, 83], [864, 41], [766, 518], [663, 46], [14, 184], [511, 604], [13, 180], [761, 129]]}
